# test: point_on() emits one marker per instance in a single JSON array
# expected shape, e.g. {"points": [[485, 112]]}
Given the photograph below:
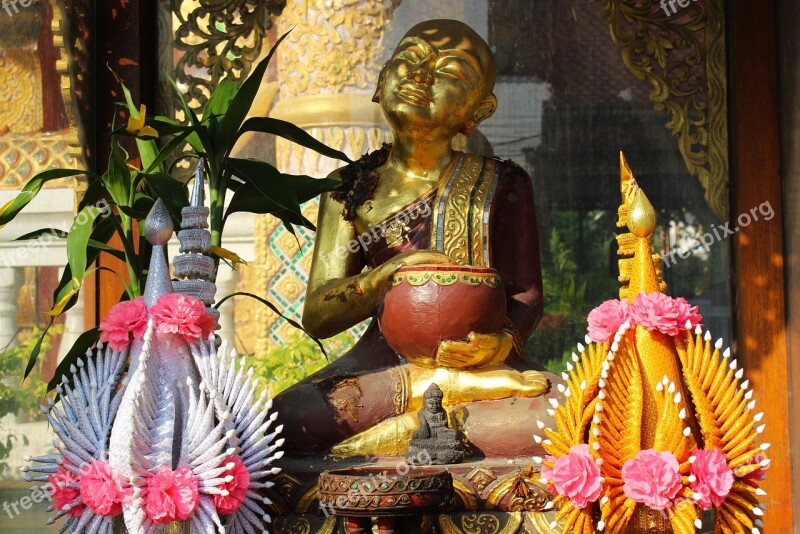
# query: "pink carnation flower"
{"points": [[182, 315], [713, 477], [652, 478], [656, 311], [62, 494], [104, 490], [125, 321], [577, 476], [171, 495], [687, 312], [237, 488], [605, 320]]}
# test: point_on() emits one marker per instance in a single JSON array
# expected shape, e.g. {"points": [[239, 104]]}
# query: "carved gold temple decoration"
{"points": [[24, 156], [337, 45], [21, 95], [71, 35], [327, 69], [24, 149], [218, 38], [480, 523], [683, 58]]}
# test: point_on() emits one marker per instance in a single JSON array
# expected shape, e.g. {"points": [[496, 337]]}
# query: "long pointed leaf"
{"points": [[37, 234], [84, 342], [34, 355], [292, 133], [272, 307], [78, 240], [117, 178], [167, 151], [221, 98], [241, 104], [31, 189]]}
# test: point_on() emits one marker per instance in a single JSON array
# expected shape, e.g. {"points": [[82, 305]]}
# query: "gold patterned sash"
{"points": [[460, 226]]}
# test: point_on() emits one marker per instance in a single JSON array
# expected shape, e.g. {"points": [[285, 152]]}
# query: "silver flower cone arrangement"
{"points": [[183, 436]]}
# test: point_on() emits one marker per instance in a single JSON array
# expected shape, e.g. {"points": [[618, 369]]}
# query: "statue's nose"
{"points": [[421, 73]]}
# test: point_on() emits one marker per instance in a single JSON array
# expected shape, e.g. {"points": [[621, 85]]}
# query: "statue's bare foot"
{"points": [[463, 386], [533, 384]]}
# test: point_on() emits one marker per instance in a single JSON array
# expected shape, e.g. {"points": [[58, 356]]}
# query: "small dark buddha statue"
{"points": [[434, 441]]}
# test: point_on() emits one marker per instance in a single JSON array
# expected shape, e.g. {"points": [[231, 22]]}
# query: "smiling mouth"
{"points": [[414, 96]]}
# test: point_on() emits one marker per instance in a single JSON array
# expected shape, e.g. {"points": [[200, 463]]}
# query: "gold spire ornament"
{"points": [[656, 425]]}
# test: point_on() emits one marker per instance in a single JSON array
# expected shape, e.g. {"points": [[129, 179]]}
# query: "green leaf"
{"points": [[117, 178], [241, 104], [166, 126], [117, 253], [36, 234], [272, 307], [78, 240], [290, 189], [133, 213], [267, 179], [84, 342], [167, 151], [95, 193], [31, 189], [221, 98], [292, 133], [34, 355], [171, 191]]}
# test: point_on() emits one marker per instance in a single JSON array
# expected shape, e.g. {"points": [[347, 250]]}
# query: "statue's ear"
{"points": [[486, 109], [377, 96]]}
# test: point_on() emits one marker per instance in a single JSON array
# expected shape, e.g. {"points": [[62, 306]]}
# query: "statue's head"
{"points": [[439, 80], [433, 397]]}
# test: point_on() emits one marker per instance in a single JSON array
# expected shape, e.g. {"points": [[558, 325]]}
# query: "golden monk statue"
{"points": [[419, 202]]}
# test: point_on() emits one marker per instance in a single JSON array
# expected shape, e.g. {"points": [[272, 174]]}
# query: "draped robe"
{"points": [[482, 214]]}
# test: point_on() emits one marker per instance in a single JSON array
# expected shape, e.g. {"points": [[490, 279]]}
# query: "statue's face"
{"points": [[433, 403], [436, 79]]}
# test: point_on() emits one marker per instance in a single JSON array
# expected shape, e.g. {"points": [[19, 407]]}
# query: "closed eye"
{"points": [[453, 70]]}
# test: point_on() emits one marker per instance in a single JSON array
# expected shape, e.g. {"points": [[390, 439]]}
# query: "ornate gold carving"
{"points": [[335, 46], [21, 108], [526, 495], [466, 494], [481, 523], [481, 477], [460, 224], [71, 36], [540, 522], [309, 497], [683, 58], [292, 525], [399, 378], [220, 38], [24, 156], [286, 486]]}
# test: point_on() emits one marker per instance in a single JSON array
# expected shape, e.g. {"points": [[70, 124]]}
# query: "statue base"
{"points": [[497, 495]]}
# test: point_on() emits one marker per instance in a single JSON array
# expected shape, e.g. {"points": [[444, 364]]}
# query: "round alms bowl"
{"points": [[427, 304]]}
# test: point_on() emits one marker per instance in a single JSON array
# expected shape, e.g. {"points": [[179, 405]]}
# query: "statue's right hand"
{"points": [[420, 257], [383, 274]]}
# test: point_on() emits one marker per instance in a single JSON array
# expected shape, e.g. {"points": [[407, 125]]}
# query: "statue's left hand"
{"points": [[480, 350]]}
